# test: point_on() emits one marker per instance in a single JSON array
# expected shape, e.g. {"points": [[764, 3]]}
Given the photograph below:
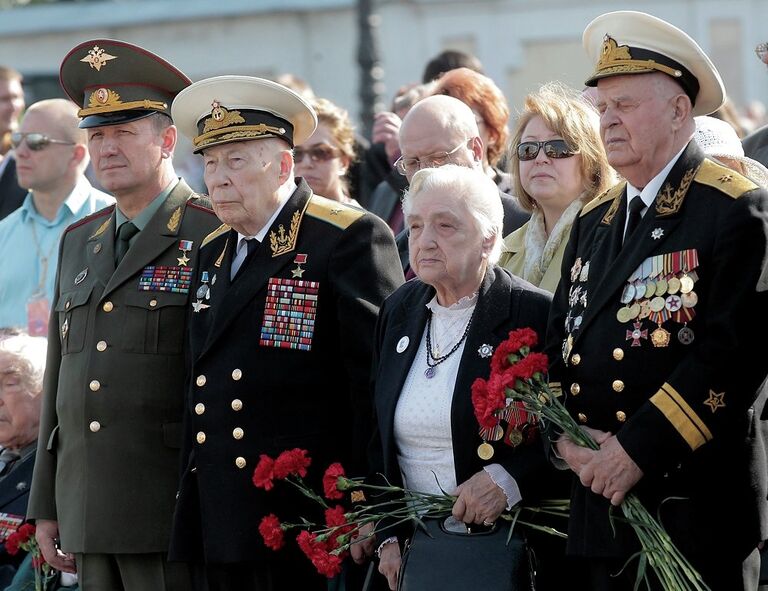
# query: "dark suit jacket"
{"points": [[505, 303], [110, 428], [11, 194], [514, 217], [314, 396], [14, 495], [756, 145], [661, 402]]}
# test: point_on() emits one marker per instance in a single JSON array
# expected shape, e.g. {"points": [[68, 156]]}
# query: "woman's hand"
{"points": [[480, 500], [363, 544], [389, 564]]}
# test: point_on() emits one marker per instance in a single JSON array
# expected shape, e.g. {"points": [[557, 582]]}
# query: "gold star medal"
{"points": [[184, 246], [299, 260]]}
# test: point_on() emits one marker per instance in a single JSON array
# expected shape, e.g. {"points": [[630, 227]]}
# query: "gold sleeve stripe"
{"points": [[556, 388], [682, 416]]}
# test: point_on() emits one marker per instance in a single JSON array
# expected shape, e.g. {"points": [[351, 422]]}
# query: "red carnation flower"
{"points": [[12, 544], [330, 481], [326, 563], [264, 473], [294, 461], [523, 337], [26, 532], [480, 402], [272, 532]]}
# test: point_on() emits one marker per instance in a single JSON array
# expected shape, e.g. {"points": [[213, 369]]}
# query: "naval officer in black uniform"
{"points": [[281, 334], [651, 326]]}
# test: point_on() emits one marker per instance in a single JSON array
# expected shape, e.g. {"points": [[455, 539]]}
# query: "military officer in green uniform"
{"points": [[653, 322], [106, 474], [286, 298]]}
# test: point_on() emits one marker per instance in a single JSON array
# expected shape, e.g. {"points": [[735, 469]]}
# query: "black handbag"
{"points": [[445, 555]]}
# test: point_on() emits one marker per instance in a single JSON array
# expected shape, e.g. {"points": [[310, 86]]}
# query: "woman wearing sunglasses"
{"points": [[557, 163], [324, 158]]}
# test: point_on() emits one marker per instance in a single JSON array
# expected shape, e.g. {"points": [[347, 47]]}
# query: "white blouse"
{"points": [[423, 414]]}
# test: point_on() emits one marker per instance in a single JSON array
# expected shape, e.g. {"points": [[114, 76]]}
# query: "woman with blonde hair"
{"points": [[324, 159], [558, 163]]}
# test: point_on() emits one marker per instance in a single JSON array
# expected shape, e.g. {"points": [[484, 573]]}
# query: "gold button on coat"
{"points": [[575, 388], [240, 462], [575, 359], [94, 426], [582, 417], [200, 437], [101, 346], [237, 404], [237, 433], [618, 353], [617, 385], [621, 415], [94, 385], [200, 381], [152, 303], [199, 408], [237, 374], [108, 306]]}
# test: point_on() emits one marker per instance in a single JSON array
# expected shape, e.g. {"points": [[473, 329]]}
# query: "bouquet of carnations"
{"points": [[24, 539], [327, 544], [518, 382]]}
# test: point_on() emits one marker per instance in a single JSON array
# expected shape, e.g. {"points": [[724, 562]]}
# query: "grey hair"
{"points": [[27, 359], [471, 185]]}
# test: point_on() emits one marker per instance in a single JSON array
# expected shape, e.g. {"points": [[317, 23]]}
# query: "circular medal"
{"points": [[202, 291], [650, 288], [689, 299], [661, 287], [514, 437], [623, 315], [673, 285], [639, 290], [686, 283], [657, 304], [645, 310], [634, 311], [673, 303], [660, 337], [628, 294], [485, 451], [685, 335], [429, 373], [496, 433]]}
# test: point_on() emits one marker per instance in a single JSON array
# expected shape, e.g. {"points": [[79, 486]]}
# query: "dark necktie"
{"points": [[123, 242], [633, 220], [7, 459], [252, 244]]}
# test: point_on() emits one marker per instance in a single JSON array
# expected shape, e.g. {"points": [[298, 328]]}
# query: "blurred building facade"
{"points": [[521, 43]]}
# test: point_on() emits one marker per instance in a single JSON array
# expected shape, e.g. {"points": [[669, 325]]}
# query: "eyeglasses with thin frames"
{"points": [[35, 141], [552, 149], [407, 166]]}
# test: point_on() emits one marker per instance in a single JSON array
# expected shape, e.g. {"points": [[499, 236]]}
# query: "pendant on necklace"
{"points": [[429, 373]]}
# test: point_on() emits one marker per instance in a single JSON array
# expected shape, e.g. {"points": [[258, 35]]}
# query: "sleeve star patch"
{"points": [[715, 401]]}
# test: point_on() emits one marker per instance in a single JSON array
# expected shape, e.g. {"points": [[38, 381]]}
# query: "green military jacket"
{"points": [[107, 462]]}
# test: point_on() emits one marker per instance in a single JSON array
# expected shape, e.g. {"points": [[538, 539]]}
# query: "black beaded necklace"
{"points": [[432, 361]]}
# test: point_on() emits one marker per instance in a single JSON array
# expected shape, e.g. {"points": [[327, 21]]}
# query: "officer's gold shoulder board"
{"points": [[609, 195], [723, 178], [222, 229], [333, 212]]}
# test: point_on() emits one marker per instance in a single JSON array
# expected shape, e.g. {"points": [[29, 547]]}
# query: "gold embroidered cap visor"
{"points": [[629, 42], [227, 109], [116, 82]]}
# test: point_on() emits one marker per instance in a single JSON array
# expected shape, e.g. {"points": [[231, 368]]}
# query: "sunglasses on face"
{"points": [[315, 153], [552, 149], [35, 141]]}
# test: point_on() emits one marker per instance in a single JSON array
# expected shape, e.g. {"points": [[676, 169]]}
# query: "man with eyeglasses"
{"points": [[106, 473], [51, 157], [11, 107], [441, 130]]}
